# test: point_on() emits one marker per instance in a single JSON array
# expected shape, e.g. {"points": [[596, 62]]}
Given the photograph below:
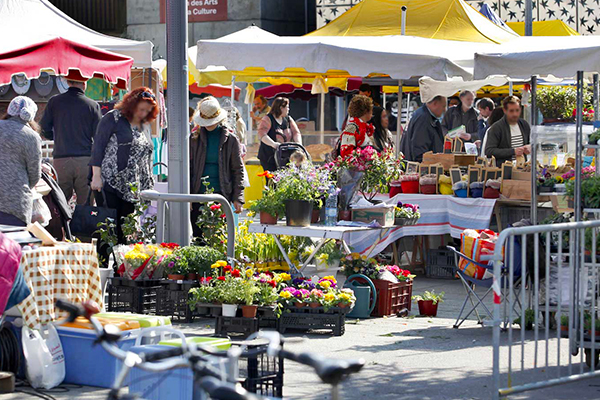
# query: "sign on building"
{"points": [[200, 10]]}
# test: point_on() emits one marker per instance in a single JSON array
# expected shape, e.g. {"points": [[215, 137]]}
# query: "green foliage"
{"points": [[266, 294], [212, 223], [135, 231], [230, 290], [201, 295], [590, 191], [529, 319], [594, 137], [107, 231], [191, 259], [270, 202], [556, 102], [427, 295]]}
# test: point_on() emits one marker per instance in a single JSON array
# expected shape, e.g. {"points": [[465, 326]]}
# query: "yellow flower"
{"points": [[356, 269], [215, 265], [331, 278], [325, 284], [285, 295], [364, 258], [356, 256], [222, 263], [285, 277], [249, 273], [251, 214], [328, 296], [345, 296], [277, 278]]}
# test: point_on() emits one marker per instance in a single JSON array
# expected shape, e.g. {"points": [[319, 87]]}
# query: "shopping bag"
{"points": [[44, 356], [476, 245], [86, 218]]}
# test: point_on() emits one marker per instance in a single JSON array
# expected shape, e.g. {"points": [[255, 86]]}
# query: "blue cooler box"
{"points": [[88, 364], [176, 384]]}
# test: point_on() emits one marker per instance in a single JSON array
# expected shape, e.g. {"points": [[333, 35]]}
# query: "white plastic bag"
{"points": [[40, 211], [44, 357]]}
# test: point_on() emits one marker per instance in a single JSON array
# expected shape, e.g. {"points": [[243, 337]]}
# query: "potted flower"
{"points": [[315, 298], [590, 188], [594, 137], [346, 298], [428, 302], [269, 206], [249, 291], [176, 267], [406, 214], [354, 263], [197, 260], [230, 292], [556, 103], [328, 259], [267, 291], [546, 184], [295, 185], [204, 294]]}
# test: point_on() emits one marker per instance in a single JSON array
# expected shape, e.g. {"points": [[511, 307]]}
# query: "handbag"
{"points": [[86, 218]]}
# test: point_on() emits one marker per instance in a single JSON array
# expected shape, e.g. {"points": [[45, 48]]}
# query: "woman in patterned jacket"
{"points": [[358, 132], [122, 153]]}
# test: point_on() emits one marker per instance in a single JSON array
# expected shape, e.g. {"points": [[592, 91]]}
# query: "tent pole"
{"points": [[577, 203], [399, 119], [384, 99], [528, 18], [596, 100], [510, 88], [533, 155], [232, 90], [403, 23], [177, 110], [322, 118]]}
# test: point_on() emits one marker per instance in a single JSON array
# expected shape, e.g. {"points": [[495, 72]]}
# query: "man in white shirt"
{"points": [[509, 137]]}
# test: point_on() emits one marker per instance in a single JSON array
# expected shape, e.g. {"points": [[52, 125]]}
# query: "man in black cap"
{"points": [[71, 119]]}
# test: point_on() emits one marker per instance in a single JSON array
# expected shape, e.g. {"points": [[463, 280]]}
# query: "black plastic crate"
{"points": [[138, 300], [227, 326], [440, 264], [260, 373], [313, 319], [174, 303]]}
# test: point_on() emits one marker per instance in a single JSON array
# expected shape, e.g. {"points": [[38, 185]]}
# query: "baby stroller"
{"points": [[59, 206], [285, 150]]}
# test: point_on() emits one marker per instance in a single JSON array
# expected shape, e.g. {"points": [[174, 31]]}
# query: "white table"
{"points": [[322, 233]]}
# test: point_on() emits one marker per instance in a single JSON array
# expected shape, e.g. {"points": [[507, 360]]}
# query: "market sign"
{"points": [[200, 10]]}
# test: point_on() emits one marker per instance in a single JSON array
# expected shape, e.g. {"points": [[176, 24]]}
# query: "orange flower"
{"points": [[270, 176], [263, 174]]}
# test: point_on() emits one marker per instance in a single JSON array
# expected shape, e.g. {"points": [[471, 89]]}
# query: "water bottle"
{"points": [[331, 210]]}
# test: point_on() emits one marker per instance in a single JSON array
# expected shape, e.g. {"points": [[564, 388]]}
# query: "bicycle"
{"points": [[209, 381]]}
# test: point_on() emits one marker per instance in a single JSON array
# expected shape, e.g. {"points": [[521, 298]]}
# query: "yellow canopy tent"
{"points": [[544, 28], [435, 19]]}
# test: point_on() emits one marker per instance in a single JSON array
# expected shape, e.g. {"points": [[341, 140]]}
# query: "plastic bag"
{"points": [[40, 212], [44, 357]]}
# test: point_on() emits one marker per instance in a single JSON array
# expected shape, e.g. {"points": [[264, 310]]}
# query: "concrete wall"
{"points": [[282, 17]]}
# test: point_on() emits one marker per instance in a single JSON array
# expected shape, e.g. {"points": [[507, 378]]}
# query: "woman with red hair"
{"points": [[122, 153]]}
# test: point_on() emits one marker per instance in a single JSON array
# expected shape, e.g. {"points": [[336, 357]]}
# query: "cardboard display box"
{"points": [[448, 160], [383, 215]]}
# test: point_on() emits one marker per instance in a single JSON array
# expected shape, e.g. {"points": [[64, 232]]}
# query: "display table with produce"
{"points": [[440, 215], [323, 234], [64, 271]]}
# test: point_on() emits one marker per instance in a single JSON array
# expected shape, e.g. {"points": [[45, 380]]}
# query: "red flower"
{"points": [[227, 268], [272, 283], [206, 280], [223, 215], [405, 273], [269, 273], [215, 207], [235, 273], [221, 278]]}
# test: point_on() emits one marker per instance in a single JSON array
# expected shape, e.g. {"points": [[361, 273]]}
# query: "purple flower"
{"points": [[171, 265]]}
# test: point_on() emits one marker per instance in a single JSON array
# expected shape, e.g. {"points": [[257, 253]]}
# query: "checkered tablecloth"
{"points": [[65, 271]]}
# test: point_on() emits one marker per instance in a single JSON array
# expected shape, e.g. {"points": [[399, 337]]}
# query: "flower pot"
{"points": [[428, 308], [298, 212], [176, 277], [405, 221], [249, 311], [345, 215], [192, 276], [461, 193], [428, 189], [267, 219], [314, 305], [395, 188], [229, 310], [410, 186], [300, 304], [491, 193], [342, 305], [546, 189], [316, 215]]}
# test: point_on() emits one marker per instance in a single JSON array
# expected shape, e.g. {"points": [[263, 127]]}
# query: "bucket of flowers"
{"points": [[406, 214], [354, 263]]}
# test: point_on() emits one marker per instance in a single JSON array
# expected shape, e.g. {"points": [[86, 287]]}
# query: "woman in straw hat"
{"points": [[215, 155]]}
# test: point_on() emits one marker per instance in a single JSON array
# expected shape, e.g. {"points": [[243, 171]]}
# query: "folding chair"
{"points": [[470, 283]]}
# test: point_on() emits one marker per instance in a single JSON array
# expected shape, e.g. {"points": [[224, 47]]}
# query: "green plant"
{"points": [[200, 258], [594, 137], [212, 222], [556, 102], [430, 296], [355, 264], [266, 295], [249, 291], [330, 253], [270, 203], [203, 294], [590, 190], [529, 319], [304, 182], [176, 264], [137, 226], [229, 290], [107, 231]]}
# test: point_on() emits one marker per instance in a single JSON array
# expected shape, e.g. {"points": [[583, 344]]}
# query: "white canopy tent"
{"points": [[27, 22]]}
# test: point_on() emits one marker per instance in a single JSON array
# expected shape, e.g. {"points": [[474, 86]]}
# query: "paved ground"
{"points": [[407, 358]]}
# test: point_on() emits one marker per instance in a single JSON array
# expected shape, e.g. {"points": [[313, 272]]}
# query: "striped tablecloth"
{"points": [[65, 271], [440, 214]]}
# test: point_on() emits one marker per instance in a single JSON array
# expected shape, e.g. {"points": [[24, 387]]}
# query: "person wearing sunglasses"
{"points": [[122, 153]]}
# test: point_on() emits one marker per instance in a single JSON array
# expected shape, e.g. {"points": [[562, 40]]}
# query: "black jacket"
{"points": [[455, 117], [424, 134], [71, 119], [499, 140]]}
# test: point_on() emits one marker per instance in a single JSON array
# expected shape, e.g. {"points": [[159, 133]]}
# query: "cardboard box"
{"points": [[306, 126], [449, 160], [383, 215], [516, 189]]}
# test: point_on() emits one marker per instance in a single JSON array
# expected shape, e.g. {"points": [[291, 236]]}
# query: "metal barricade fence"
{"points": [[163, 199], [546, 282]]}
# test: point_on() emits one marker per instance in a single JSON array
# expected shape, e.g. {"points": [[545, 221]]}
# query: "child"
{"points": [[298, 158]]}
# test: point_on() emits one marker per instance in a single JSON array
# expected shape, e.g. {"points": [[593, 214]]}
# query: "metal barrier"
{"points": [[163, 198], [560, 284]]}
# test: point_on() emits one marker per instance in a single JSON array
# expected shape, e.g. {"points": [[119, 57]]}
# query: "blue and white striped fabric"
{"points": [[440, 214]]}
